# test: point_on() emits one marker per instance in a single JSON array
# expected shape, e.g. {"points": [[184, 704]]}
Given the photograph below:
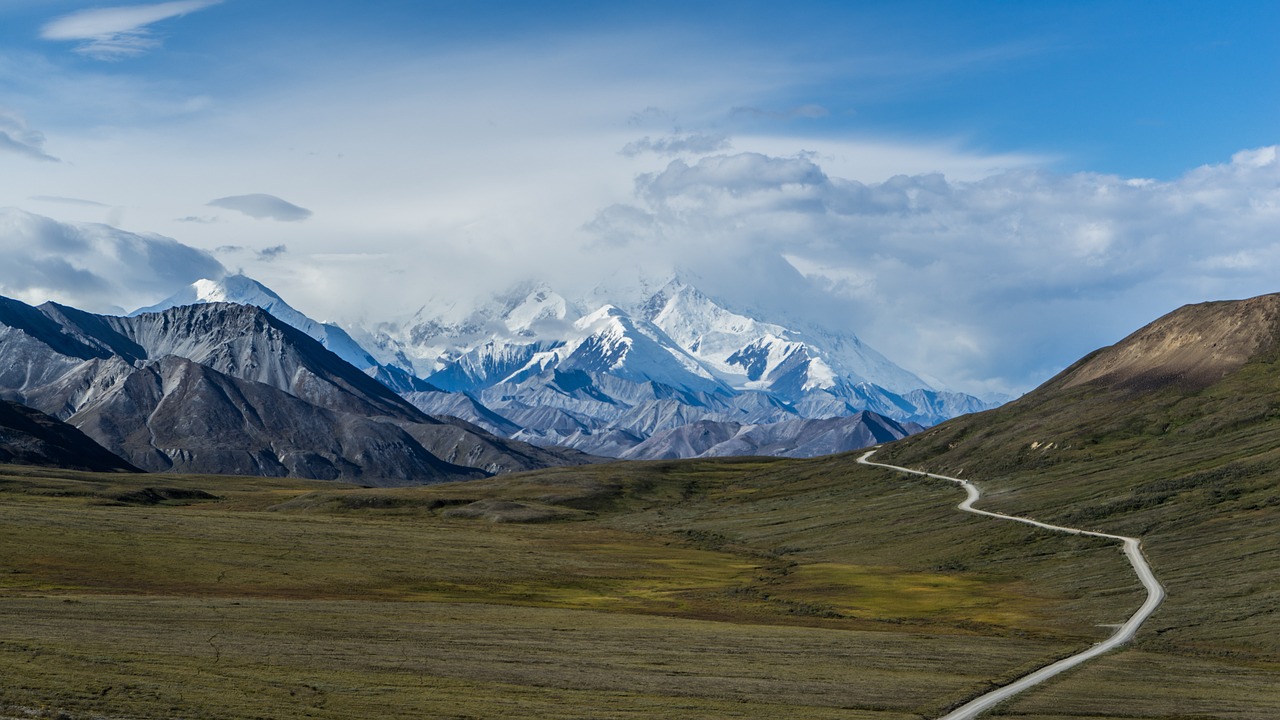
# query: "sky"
{"points": [[982, 191]]}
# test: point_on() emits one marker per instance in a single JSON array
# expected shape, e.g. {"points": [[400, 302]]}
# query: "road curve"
{"points": [[1132, 551]]}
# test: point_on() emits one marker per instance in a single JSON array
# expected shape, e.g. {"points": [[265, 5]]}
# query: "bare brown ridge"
{"points": [[1193, 347]]}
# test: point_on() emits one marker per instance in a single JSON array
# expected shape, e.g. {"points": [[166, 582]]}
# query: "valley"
{"points": [[747, 587], [645, 590], [737, 587], [631, 361]]}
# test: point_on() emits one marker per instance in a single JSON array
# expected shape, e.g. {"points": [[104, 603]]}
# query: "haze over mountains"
{"points": [[647, 368]]}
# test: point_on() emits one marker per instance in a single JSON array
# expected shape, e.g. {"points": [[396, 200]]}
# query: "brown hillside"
{"points": [[1192, 347]]}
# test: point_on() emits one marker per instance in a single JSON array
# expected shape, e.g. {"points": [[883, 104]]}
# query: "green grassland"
{"points": [[1196, 473], [708, 588], [747, 588]]}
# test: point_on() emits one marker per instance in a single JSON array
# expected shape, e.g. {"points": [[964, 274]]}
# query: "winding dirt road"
{"points": [[1132, 551]]}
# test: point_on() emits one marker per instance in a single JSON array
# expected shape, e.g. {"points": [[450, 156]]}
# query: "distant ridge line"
{"points": [[1125, 633]]}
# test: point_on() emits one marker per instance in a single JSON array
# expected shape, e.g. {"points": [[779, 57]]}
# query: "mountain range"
{"points": [[535, 366], [230, 389], [225, 376]]}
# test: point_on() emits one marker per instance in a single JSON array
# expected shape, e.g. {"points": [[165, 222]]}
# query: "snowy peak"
{"points": [[542, 306], [607, 315], [612, 342], [243, 290], [493, 363], [745, 352]]}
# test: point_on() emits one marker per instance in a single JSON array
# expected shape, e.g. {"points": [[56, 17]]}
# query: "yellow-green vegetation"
{"points": [[733, 588], [1193, 470]]}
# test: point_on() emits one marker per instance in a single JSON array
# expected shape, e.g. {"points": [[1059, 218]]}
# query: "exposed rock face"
{"points": [[222, 388], [29, 437], [1193, 346]]}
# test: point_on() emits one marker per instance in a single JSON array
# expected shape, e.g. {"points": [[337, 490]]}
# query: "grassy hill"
{"points": [[1173, 435]]}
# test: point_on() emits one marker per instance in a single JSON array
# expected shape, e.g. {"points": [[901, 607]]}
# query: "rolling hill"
{"points": [[1172, 434]]}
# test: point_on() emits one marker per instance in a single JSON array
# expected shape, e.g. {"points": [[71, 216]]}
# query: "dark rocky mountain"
{"points": [[29, 437], [224, 388]]}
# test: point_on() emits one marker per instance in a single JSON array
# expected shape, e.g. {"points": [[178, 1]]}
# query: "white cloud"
{"points": [[93, 267], [678, 144], [990, 284], [261, 206], [118, 32]]}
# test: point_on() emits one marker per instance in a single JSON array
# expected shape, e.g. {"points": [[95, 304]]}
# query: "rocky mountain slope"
{"points": [[247, 291], [1172, 434], [29, 437], [225, 388]]}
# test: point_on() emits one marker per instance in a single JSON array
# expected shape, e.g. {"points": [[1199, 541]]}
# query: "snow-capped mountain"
{"points": [[542, 368], [243, 290], [754, 355], [611, 342], [442, 332], [246, 291], [607, 379]]}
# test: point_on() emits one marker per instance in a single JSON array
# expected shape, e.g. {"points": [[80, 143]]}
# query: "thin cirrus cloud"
{"points": [[809, 111], [261, 206], [114, 33], [60, 200]]}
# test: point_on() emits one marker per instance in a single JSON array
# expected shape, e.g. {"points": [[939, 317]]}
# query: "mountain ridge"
{"points": [[219, 387]]}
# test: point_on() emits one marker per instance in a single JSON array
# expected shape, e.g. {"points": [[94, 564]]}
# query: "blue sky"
{"points": [[1056, 160]]}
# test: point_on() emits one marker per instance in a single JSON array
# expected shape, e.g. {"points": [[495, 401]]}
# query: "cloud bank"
{"points": [[263, 207], [989, 285], [115, 33], [977, 282]]}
